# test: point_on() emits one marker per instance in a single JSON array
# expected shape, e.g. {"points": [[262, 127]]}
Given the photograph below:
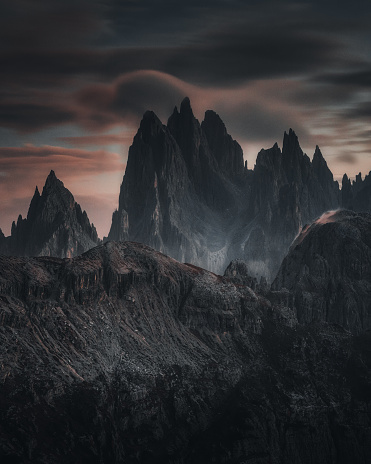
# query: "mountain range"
{"points": [[113, 352], [123, 354], [188, 193], [55, 225]]}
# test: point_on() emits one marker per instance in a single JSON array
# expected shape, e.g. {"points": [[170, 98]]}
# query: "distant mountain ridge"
{"points": [[55, 225], [186, 192]]}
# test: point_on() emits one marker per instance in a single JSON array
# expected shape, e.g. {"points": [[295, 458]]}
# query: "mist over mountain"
{"points": [[55, 225], [187, 193], [123, 354]]}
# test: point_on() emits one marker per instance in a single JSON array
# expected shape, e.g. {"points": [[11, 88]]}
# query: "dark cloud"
{"points": [[254, 122], [347, 158], [356, 79], [29, 117], [40, 25], [127, 99], [98, 140], [361, 111], [226, 58], [236, 44]]}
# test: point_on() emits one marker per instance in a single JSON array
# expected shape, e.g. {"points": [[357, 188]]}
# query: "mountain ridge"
{"points": [[207, 207], [123, 354], [187, 192], [55, 225]]}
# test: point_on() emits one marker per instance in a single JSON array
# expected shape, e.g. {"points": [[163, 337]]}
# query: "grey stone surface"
{"points": [[55, 225], [125, 355], [328, 269], [187, 193]]}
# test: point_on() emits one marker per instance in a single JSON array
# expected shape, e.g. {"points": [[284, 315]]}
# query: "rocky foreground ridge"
{"points": [[125, 355], [55, 225], [186, 192], [328, 269]]}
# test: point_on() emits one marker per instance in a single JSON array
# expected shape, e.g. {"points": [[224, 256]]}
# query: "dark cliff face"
{"points": [[187, 193], [328, 269], [125, 355], [55, 225], [174, 195], [356, 195], [287, 191]]}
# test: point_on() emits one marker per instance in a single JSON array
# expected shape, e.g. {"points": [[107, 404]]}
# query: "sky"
{"points": [[77, 76]]}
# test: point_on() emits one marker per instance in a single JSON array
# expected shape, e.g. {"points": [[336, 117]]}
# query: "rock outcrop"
{"points": [[125, 355], [187, 193], [55, 225], [328, 269], [356, 195]]}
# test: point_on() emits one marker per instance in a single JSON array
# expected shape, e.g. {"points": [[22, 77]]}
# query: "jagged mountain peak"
{"points": [[150, 126], [185, 106], [213, 119], [55, 225], [317, 153], [52, 180], [291, 144], [319, 162], [187, 193]]}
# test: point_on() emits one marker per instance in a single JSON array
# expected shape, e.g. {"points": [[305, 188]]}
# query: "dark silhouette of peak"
{"points": [[51, 176], [52, 181], [270, 158], [150, 126], [318, 157], [213, 119], [224, 149], [34, 205], [55, 225], [290, 146], [356, 195], [323, 173], [185, 106], [186, 192]]}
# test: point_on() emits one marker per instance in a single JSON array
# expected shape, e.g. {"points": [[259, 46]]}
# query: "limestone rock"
{"points": [[55, 225], [125, 355], [328, 269]]}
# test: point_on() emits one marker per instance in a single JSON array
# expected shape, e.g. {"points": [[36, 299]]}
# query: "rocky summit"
{"points": [[187, 193], [55, 225], [328, 269], [125, 355]]}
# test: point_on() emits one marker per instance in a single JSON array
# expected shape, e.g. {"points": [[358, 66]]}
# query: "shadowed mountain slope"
{"points": [[187, 193], [55, 225], [125, 355], [328, 268]]}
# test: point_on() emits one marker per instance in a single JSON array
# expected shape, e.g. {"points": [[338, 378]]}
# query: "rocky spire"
{"points": [[55, 225], [226, 151]]}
